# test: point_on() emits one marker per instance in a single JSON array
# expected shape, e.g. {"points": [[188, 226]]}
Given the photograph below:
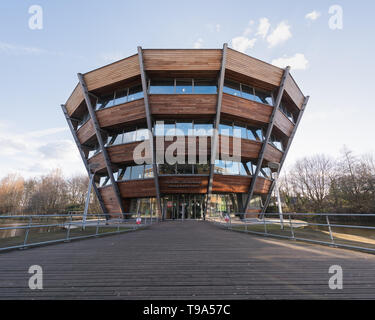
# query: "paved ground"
{"points": [[186, 260]]}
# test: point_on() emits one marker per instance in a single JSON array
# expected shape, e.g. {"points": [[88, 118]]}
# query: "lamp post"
{"points": [[275, 175]]}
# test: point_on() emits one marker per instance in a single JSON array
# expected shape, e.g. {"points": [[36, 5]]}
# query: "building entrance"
{"points": [[184, 206]]}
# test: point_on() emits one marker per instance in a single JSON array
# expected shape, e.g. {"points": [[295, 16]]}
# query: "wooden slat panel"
{"points": [[123, 153], [196, 105], [124, 113], [86, 132], [272, 154], [202, 59], [238, 184], [294, 92], [254, 68], [245, 110], [283, 123], [113, 73], [109, 199], [75, 99], [249, 149], [137, 188], [99, 162], [183, 184]]}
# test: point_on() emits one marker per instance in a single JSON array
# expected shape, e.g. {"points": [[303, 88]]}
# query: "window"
{"points": [[166, 168], [219, 167], [148, 171], [121, 96], [142, 134], [184, 86], [203, 129], [277, 143], [201, 168], [105, 101], [130, 136], [137, 172], [135, 93], [169, 129], [242, 169], [240, 132], [165, 86], [263, 97], [232, 168], [205, 87], [184, 128], [184, 169], [85, 118], [104, 181], [248, 92], [226, 129], [286, 112], [232, 88]]}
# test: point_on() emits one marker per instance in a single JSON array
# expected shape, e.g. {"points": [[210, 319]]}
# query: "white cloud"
{"points": [[36, 152], [217, 27], [12, 49], [264, 26], [313, 15], [242, 43], [198, 44], [296, 62], [280, 34]]}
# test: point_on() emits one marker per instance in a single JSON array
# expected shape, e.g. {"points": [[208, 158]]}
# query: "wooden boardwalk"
{"points": [[186, 260]]}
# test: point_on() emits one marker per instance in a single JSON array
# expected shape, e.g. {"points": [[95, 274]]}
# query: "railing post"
{"points": [[27, 231], [68, 230], [291, 227], [97, 225], [330, 230], [245, 223], [264, 222]]}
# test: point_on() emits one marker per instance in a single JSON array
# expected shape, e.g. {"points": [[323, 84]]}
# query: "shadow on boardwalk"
{"points": [[186, 260]]}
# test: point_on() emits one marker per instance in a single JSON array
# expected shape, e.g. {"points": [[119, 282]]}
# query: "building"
{"points": [[186, 95]]}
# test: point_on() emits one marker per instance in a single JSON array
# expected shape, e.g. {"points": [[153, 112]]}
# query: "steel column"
{"points": [[98, 131], [81, 152], [286, 151], [266, 138], [215, 136], [149, 127]]}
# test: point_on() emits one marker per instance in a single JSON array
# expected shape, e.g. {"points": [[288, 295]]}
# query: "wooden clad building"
{"points": [[230, 117]]}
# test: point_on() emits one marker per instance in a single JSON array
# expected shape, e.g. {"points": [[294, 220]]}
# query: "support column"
{"points": [[285, 152], [266, 138], [215, 137], [100, 140], [81, 152], [149, 127]]}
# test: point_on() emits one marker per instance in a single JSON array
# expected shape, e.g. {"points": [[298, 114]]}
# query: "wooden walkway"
{"points": [[186, 260]]}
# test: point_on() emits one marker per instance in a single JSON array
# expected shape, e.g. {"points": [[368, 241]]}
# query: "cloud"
{"points": [[35, 152], [280, 34], [198, 44], [313, 15], [264, 26], [296, 62], [242, 43]]}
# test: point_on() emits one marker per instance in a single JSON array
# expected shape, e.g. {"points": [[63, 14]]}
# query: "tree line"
{"points": [[322, 184], [47, 194]]}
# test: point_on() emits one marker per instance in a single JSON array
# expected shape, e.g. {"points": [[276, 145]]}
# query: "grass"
{"points": [[363, 238]]}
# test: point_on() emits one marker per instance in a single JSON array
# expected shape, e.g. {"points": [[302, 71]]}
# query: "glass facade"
{"points": [[134, 173], [172, 128], [241, 131], [182, 86], [247, 92], [177, 168], [286, 112]]}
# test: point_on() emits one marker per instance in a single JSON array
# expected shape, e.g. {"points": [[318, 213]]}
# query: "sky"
{"points": [[331, 56]]}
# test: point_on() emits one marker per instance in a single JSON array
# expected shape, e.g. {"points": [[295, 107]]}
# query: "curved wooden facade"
{"points": [[220, 65]]}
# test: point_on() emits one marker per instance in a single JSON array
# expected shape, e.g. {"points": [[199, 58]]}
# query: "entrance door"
{"points": [[184, 206]]}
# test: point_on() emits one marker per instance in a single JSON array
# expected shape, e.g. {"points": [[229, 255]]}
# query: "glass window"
{"points": [[232, 88], [263, 97], [184, 128], [165, 86], [166, 168], [205, 87], [184, 86], [184, 169], [121, 96], [239, 132], [242, 169], [219, 166], [148, 171], [135, 93], [169, 129], [232, 167], [203, 129], [129, 136], [142, 134], [159, 128], [118, 139], [126, 175], [104, 181], [248, 92], [106, 101], [137, 172], [250, 167], [201, 168], [225, 129]]}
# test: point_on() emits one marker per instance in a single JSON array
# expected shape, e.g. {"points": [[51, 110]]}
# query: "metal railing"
{"points": [[346, 230], [23, 231]]}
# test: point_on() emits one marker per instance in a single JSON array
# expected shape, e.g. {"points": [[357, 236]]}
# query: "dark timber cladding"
{"points": [[267, 137], [98, 132], [189, 89]]}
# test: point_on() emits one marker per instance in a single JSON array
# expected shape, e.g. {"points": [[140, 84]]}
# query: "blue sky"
{"points": [[38, 67]]}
